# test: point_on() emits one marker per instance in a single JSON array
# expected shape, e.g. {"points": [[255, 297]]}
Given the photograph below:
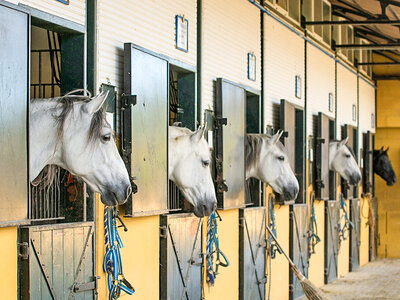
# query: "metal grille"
{"points": [[47, 60]]}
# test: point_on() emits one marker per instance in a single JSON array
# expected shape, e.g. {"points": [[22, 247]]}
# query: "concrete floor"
{"points": [[377, 280]]}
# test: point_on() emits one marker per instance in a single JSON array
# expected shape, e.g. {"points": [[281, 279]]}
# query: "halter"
{"points": [[343, 231], [273, 246], [112, 263], [213, 248]]}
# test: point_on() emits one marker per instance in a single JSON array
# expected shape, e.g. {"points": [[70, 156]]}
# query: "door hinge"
{"points": [[163, 232], [23, 250]]}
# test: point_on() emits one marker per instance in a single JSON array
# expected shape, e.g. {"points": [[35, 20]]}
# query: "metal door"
{"points": [[229, 144], [146, 77], [350, 192], [331, 240], [355, 234], [298, 247], [14, 101], [57, 262], [373, 230], [368, 150], [323, 177], [292, 122], [180, 257], [252, 253]]}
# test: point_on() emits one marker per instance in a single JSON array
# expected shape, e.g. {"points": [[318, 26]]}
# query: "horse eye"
{"points": [[348, 155], [106, 138], [206, 163], [282, 158]]}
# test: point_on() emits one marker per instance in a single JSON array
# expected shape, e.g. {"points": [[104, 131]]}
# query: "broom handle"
{"points": [[294, 267]]}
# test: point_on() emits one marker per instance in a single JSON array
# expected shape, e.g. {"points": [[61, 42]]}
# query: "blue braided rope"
{"points": [[112, 262], [347, 224], [213, 248], [272, 224], [314, 238]]}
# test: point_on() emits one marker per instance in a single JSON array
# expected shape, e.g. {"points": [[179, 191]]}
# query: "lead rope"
{"points": [[213, 248], [314, 238], [112, 263], [273, 247], [347, 225]]}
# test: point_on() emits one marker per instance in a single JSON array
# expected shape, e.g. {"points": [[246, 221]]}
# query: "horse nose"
{"points": [[290, 193]]}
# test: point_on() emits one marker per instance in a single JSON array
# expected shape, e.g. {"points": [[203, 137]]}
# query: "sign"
{"points": [[181, 33], [330, 102], [298, 86], [251, 66], [354, 112]]}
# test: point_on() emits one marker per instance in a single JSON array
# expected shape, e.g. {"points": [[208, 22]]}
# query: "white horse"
{"points": [[189, 168], [72, 132], [266, 160], [342, 160]]}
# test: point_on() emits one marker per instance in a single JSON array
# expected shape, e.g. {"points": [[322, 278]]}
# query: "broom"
{"points": [[310, 290]]}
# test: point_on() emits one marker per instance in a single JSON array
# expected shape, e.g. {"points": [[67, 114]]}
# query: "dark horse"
{"points": [[383, 166]]}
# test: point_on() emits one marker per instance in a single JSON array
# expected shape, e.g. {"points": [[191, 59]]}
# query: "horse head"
{"points": [[77, 137], [189, 168], [266, 160], [383, 166], [342, 160]]}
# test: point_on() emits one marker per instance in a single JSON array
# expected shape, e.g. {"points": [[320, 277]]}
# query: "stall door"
{"points": [[57, 262], [14, 101], [368, 150], [331, 240], [229, 144], [292, 123], [146, 129], [324, 179], [180, 257], [350, 192], [252, 251], [373, 231], [298, 247], [355, 234]]}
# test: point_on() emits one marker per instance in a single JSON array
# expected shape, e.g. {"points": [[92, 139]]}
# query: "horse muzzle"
{"points": [[116, 195], [205, 209], [290, 193], [355, 178]]}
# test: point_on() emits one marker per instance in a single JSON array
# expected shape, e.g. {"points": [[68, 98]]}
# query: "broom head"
{"points": [[310, 290]]}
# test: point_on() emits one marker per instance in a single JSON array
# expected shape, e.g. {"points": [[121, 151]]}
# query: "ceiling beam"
{"points": [[354, 22], [378, 63], [369, 46]]}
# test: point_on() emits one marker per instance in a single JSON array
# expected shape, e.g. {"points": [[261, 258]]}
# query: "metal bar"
{"points": [[44, 271], [369, 46], [378, 63], [353, 22], [40, 74], [387, 77]]}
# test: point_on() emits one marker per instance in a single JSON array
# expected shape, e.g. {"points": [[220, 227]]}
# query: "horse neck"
{"points": [[175, 150], [332, 154], [42, 137], [252, 169]]}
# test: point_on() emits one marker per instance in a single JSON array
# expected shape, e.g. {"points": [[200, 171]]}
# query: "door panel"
{"points": [[252, 253], [14, 102], [355, 234], [331, 240], [64, 253], [322, 184], [146, 76], [230, 166], [180, 257]]}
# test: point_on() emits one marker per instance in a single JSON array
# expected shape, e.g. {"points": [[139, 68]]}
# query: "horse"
{"points": [[189, 168], [342, 160], [383, 166], [72, 132], [266, 160]]}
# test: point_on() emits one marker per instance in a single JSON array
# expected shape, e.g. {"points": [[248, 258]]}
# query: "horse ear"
{"points": [[343, 142], [96, 103], [198, 134], [387, 149], [275, 138], [381, 150]]}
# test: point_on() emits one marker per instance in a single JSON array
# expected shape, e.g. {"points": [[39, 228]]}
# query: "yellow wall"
{"points": [[140, 255], [279, 266], [388, 134], [227, 281], [316, 266], [8, 252], [343, 255]]}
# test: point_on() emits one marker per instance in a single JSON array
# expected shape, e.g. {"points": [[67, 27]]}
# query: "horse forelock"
{"points": [[347, 146], [66, 104]]}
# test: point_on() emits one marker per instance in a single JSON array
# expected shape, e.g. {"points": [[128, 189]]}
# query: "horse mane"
{"points": [[253, 145]]}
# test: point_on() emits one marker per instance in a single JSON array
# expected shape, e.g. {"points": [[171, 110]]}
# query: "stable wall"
{"points": [[388, 135], [344, 250], [8, 251]]}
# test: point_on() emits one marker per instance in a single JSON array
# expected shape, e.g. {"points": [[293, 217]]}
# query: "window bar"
{"points": [[40, 74]]}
